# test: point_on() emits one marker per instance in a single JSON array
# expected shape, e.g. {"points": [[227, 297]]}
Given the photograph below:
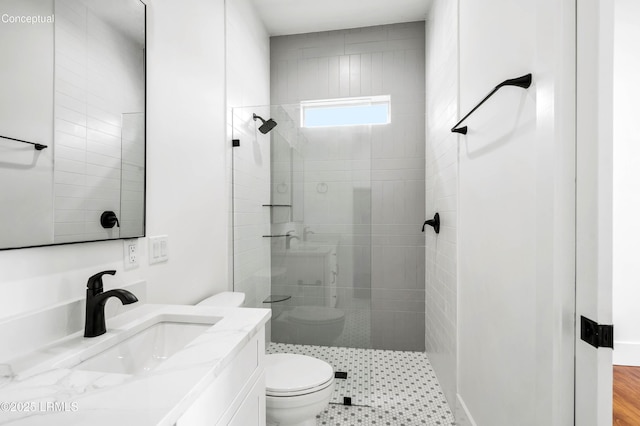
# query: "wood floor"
{"points": [[626, 396]]}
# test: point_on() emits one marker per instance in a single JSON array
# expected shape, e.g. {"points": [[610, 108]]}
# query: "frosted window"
{"points": [[346, 112]]}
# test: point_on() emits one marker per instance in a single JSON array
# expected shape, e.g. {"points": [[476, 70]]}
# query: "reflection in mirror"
{"points": [[72, 78]]}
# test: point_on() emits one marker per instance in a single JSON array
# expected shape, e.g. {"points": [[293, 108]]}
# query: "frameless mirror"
{"points": [[72, 121]]}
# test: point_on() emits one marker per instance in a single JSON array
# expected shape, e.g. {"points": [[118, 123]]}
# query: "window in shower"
{"points": [[346, 112]]}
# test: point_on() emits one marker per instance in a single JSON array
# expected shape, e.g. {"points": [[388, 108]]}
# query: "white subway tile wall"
{"points": [[98, 78], [379, 166], [441, 193]]}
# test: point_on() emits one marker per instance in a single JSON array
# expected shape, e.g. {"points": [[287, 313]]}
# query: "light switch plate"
{"points": [[131, 256], [158, 249]]}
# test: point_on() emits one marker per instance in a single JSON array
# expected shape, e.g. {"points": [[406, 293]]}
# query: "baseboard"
{"points": [[626, 353], [462, 414]]}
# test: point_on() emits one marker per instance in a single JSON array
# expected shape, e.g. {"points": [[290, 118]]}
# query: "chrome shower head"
{"points": [[266, 126]]}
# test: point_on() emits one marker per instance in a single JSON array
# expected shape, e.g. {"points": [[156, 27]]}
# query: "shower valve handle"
{"points": [[435, 222]]}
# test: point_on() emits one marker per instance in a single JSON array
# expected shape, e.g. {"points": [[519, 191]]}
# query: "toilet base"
{"points": [[298, 410]]}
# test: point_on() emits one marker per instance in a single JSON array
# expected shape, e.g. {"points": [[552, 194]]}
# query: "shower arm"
{"points": [[523, 82], [256, 117]]}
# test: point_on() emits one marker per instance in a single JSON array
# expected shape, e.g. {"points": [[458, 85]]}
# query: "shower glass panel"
{"points": [[302, 233], [302, 226]]}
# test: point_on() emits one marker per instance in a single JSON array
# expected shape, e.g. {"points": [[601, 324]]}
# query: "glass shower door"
{"points": [[302, 238], [250, 169], [321, 228]]}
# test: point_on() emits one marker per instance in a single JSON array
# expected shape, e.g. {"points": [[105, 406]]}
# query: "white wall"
{"points": [[441, 259], [26, 112], [516, 214], [186, 185], [186, 179], [248, 85], [497, 216], [626, 184]]}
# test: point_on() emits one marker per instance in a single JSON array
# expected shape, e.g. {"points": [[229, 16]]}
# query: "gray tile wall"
{"points": [[381, 60]]}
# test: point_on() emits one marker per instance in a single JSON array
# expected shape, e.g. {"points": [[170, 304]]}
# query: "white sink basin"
{"points": [[144, 348]]}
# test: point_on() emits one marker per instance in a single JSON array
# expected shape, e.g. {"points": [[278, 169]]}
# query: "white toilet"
{"points": [[298, 386]]}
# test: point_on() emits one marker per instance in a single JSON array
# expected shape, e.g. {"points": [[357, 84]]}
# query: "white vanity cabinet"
{"points": [[315, 267], [237, 396], [309, 266]]}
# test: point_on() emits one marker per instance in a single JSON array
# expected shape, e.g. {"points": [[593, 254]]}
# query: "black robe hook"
{"points": [[435, 222]]}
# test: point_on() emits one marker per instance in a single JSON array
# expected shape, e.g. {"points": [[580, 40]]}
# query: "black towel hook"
{"points": [[435, 222]]}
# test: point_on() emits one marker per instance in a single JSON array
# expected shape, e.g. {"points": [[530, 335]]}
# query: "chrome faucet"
{"points": [[290, 237], [306, 232], [94, 324]]}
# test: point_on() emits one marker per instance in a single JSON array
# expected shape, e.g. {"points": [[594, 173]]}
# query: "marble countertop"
{"points": [[36, 390]]}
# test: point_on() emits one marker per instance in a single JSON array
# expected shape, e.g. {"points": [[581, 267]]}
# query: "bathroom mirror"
{"points": [[72, 121]]}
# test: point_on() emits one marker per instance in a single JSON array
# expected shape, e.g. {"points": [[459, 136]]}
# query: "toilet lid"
{"points": [[226, 299], [315, 314], [295, 374]]}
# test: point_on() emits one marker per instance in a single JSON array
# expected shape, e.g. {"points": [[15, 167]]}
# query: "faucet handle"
{"points": [[95, 281]]}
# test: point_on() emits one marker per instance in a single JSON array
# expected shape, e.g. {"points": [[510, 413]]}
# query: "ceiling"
{"points": [[282, 17]]}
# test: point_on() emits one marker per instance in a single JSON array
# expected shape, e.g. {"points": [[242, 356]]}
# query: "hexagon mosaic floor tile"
{"points": [[396, 388]]}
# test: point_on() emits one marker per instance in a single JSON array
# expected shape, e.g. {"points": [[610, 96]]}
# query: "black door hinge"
{"points": [[598, 336], [235, 142]]}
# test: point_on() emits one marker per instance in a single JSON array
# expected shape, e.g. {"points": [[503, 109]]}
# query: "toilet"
{"points": [[316, 325], [298, 386]]}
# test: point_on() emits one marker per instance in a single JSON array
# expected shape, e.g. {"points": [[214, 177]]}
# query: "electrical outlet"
{"points": [[158, 249], [131, 254]]}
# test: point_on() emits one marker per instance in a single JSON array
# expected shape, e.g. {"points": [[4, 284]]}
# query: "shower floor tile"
{"points": [[385, 387]]}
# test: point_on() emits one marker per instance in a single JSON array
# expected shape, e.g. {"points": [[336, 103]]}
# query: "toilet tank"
{"points": [[226, 299]]}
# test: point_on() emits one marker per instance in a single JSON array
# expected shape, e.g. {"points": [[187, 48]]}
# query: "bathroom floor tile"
{"points": [[385, 387]]}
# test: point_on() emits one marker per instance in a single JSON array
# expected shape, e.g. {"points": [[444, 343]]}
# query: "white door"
{"points": [[594, 206]]}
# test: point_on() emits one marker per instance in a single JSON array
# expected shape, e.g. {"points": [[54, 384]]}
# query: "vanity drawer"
{"points": [[229, 389], [252, 411]]}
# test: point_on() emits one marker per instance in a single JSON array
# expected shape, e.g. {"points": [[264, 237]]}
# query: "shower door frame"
{"points": [[594, 164]]}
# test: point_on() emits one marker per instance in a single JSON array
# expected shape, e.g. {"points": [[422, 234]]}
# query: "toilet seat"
{"points": [[290, 375]]}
